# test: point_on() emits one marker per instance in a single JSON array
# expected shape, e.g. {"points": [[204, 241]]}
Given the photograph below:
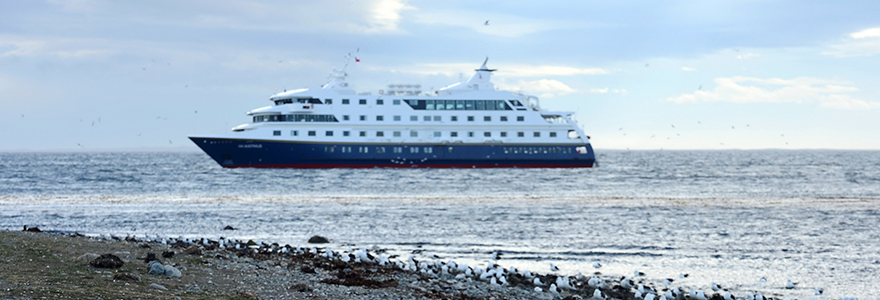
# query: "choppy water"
{"points": [[726, 216]]}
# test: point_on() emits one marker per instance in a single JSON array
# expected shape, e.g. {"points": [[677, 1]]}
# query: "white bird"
{"points": [[553, 267], [662, 297], [701, 295], [637, 295], [527, 274], [649, 296], [553, 289], [493, 281], [597, 294], [593, 282], [597, 265], [683, 275], [819, 291], [763, 279], [728, 296], [637, 273], [759, 296], [537, 281], [626, 283], [537, 289], [715, 286], [667, 282], [790, 285]]}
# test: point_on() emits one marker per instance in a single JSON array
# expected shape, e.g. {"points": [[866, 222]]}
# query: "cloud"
{"points": [[503, 25], [505, 71], [862, 43], [544, 88], [867, 33], [385, 15], [64, 48], [688, 69], [748, 55], [829, 94]]}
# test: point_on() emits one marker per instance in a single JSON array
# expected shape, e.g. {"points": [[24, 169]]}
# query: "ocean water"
{"points": [[732, 217]]}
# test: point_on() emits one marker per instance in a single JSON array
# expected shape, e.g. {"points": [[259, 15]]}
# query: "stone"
{"points": [[31, 229], [194, 250], [172, 272], [168, 254], [126, 277], [158, 286], [318, 240], [88, 257], [150, 257], [228, 227], [108, 261], [156, 268]]}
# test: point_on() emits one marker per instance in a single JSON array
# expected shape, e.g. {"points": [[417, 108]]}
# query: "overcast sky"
{"points": [[116, 75]]}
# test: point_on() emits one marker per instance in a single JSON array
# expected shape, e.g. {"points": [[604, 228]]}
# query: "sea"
{"points": [[746, 220]]}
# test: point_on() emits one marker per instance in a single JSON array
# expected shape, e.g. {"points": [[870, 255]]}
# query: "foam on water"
{"points": [[726, 216]]}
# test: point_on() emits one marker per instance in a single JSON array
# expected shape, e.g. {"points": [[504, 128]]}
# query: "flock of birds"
{"points": [[627, 287]]}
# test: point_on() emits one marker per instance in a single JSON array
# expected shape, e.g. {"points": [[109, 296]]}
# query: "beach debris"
{"points": [[245, 295], [168, 254], [108, 261], [318, 240], [228, 227], [194, 250], [31, 229], [158, 286], [150, 257], [156, 268], [126, 277], [300, 287], [88, 257]]}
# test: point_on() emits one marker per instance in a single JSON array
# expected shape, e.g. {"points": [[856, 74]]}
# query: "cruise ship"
{"points": [[468, 124]]}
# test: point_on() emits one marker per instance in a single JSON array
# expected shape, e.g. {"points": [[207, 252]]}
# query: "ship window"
{"points": [[426, 118], [520, 118], [363, 117], [396, 134], [413, 149], [362, 133], [429, 105], [380, 118], [346, 149], [395, 101], [413, 133], [503, 118], [328, 133], [397, 149], [380, 133], [440, 104], [453, 134], [480, 105], [276, 133], [453, 118], [413, 118], [487, 118], [397, 118], [429, 150], [364, 149], [506, 150], [520, 134], [449, 149], [436, 118], [311, 133], [450, 104], [346, 133], [470, 134], [553, 134], [503, 134], [470, 118], [294, 133], [469, 105], [380, 102], [380, 149], [516, 103], [487, 134], [328, 101], [362, 101], [436, 134], [345, 117], [537, 134], [328, 149], [345, 101], [459, 104]]}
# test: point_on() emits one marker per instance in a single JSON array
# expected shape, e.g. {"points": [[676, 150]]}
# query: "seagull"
{"points": [[790, 285], [684, 275], [553, 267], [667, 282], [81, 146], [537, 289], [637, 273], [819, 291], [673, 125], [597, 294], [700, 88], [646, 65], [731, 127], [169, 141], [597, 265], [626, 283], [496, 255], [537, 281], [715, 286], [763, 279], [728, 296], [487, 23]]}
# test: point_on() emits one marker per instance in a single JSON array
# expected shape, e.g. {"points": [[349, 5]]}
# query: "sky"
{"points": [[95, 75]]}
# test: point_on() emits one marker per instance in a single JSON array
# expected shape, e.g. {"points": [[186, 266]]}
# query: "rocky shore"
{"points": [[40, 265]]}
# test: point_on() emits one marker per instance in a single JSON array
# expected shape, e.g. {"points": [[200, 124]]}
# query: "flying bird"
{"points": [[700, 88], [646, 65], [487, 23], [673, 125]]}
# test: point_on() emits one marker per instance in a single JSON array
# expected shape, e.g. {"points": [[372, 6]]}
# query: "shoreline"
{"points": [[51, 265]]}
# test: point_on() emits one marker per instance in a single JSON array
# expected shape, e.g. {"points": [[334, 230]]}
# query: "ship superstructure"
{"points": [[465, 125]]}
